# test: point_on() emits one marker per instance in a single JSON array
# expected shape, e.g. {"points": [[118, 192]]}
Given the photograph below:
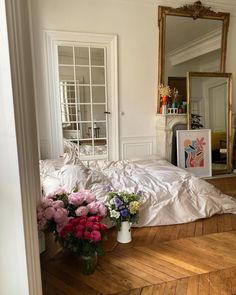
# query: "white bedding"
{"points": [[172, 195]]}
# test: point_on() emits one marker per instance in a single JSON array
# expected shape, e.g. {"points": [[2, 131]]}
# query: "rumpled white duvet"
{"points": [[172, 195]]}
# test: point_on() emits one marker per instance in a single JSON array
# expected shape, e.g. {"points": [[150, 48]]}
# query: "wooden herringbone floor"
{"points": [[194, 258]]}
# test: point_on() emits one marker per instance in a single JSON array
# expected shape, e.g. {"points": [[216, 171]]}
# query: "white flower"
{"points": [[111, 201], [114, 214]]}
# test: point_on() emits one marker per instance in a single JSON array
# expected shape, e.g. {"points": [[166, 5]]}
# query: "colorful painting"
{"points": [[194, 152]]}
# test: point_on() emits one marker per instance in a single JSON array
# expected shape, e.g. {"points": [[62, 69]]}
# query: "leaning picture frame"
{"points": [[194, 151]]}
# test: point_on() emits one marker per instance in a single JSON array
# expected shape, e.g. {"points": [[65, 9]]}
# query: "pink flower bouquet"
{"points": [[75, 219]]}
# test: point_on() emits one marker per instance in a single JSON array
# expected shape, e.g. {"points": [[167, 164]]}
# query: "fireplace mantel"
{"points": [[164, 132]]}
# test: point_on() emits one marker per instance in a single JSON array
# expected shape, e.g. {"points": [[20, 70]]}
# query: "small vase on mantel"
{"points": [[164, 104], [124, 233]]}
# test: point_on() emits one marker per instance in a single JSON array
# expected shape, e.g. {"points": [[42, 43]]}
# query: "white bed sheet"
{"points": [[172, 195]]}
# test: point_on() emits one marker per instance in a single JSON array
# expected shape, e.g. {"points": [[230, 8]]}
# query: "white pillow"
{"points": [[71, 176]]}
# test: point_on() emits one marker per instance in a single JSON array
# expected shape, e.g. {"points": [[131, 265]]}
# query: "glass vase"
{"points": [[88, 263]]}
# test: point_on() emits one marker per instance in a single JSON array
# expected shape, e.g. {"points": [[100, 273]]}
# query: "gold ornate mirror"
{"points": [[192, 38], [209, 100]]}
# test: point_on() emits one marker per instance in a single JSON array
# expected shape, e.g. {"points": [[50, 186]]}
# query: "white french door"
{"points": [[83, 97], [85, 93]]}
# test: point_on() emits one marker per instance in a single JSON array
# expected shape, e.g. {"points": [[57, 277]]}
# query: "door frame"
{"points": [[52, 39]]}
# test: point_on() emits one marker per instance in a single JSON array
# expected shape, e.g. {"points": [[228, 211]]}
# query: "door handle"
{"points": [[107, 113]]}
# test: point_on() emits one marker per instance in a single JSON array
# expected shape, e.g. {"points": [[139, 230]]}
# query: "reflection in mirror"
{"points": [[209, 107], [192, 38], [187, 48], [83, 99]]}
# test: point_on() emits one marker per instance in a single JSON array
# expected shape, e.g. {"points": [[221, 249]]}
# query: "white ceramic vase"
{"points": [[124, 234]]}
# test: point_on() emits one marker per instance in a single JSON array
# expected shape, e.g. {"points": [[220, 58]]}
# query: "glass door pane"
{"points": [[82, 75]]}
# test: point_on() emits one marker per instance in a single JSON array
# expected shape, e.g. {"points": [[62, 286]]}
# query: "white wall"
{"points": [[136, 27], [135, 23]]}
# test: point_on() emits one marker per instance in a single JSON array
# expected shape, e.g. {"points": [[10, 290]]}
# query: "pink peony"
{"points": [[75, 221], [87, 235], [40, 212], [98, 218], [103, 227], [89, 196], [42, 223], [92, 218], [80, 227], [46, 202], [66, 229], [83, 220], [50, 196], [60, 215], [79, 234], [60, 226], [49, 213], [89, 224], [76, 199], [96, 226], [96, 236], [102, 210], [81, 211], [93, 207], [58, 204]]}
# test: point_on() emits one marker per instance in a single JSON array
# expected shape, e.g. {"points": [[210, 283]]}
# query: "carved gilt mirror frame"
{"points": [[194, 11]]}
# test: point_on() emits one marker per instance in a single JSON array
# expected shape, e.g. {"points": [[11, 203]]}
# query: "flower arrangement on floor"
{"points": [[123, 206], [75, 219]]}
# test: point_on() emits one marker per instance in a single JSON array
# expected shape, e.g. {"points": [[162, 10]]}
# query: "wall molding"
{"points": [[141, 147], [205, 44]]}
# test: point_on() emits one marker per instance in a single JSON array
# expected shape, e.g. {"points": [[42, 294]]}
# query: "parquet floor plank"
{"points": [[182, 286], [179, 257], [198, 228], [214, 259], [204, 284], [152, 257], [148, 263], [120, 274], [233, 221], [193, 286], [154, 290], [145, 269], [142, 271], [170, 288], [210, 225], [224, 223], [192, 265], [61, 286], [233, 280], [220, 283]]}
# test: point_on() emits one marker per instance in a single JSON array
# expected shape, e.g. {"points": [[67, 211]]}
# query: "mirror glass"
{"points": [[193, 38], [209, 101], [191, 45]]}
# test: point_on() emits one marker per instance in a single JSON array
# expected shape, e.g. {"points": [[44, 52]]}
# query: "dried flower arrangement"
{"points": [[164, 90]]}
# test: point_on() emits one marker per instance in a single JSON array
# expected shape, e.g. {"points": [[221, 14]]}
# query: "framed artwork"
{"points": [[194, 151]]}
